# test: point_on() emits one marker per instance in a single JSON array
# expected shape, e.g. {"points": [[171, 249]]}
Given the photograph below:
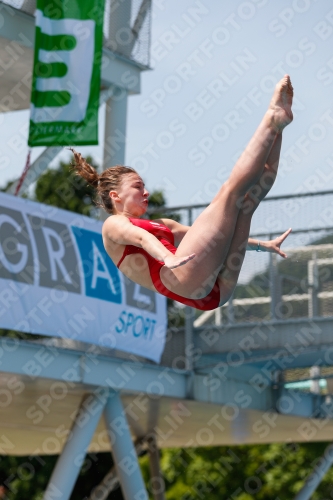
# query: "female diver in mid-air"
{"points": [[203, 270]]}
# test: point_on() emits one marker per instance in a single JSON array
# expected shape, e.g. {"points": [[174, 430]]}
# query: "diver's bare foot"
{"points": [[280, 105]]}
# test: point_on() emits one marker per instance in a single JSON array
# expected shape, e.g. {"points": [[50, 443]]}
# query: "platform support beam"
{"points": [[71, 459], [123, 451], [156, 478], [313, 480], [115, 129], [36, 169], [116, 106], [111, 481]]}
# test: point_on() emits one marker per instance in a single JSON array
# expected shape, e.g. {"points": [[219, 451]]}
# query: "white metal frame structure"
{"points": [[312, 296]]}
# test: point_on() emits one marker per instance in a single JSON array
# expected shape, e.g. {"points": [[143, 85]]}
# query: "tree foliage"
{"points": [[256, 472], [157, 203], [61, 188]]}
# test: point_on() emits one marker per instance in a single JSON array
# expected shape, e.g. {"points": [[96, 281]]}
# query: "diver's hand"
{"points": [[173, 261], [274, 245]]}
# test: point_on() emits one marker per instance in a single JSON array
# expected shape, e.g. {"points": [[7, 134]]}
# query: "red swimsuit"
{"points": [[165, 236]]}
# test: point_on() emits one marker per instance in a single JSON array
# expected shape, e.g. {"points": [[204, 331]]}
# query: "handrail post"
{"points": [[218, 316], [315, 384], [272, 283], [313, 309], [231, 311], [189, 216], [189, 318]]}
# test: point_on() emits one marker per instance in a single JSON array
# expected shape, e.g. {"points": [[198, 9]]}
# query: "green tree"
{"points": [[61, 188], [157, 203], [274, 471]]}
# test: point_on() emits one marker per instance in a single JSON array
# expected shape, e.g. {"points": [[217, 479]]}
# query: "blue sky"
{"points": [[214, 66]]}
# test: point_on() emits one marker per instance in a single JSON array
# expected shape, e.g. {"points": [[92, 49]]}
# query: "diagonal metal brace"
{"points": [[313, 480], [111, 481]]}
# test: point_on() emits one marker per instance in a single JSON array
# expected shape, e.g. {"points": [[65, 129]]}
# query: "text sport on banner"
{"points": [[66, 73], [59, 281]]}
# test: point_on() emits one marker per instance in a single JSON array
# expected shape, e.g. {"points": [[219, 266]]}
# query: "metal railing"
{"points": [[191, 211], [314, 300]]}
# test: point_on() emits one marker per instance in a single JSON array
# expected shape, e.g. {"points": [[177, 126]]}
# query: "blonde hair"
{"points": [[107, 181]]}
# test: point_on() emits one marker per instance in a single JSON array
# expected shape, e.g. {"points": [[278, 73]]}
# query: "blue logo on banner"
{"points": [[100, 274]]}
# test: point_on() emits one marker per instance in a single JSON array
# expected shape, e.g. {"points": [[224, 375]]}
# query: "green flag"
{"points": [[66, 72]]}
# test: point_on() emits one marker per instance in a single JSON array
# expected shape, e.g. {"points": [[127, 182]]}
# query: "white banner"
{"points": [[56, 279]]}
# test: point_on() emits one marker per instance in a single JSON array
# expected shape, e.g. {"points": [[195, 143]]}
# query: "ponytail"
{"points": [[107, 181], [83, 169]]}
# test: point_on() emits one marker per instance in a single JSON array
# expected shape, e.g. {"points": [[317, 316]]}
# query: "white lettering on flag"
{"points": [[98, 273], [140, 297], [13, 268], [56, 254], [79, 62]]}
